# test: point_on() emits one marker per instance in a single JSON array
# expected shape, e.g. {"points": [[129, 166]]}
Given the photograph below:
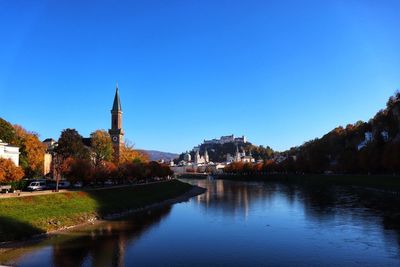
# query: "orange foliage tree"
{"points": [[128, 155], [105, 170], [9, 172], [101, 147], [32, 151], [80, 170]]}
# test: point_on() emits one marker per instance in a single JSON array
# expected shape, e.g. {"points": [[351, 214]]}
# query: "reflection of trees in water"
{"points": [[319, 201], [322, 203], [362, 207], [105, 244], [232, 198]]}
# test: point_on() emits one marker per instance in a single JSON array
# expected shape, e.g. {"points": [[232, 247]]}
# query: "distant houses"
{"points": [[202, 163]]}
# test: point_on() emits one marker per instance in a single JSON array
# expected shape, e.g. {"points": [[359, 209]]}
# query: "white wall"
{"points": [[9, 152]]}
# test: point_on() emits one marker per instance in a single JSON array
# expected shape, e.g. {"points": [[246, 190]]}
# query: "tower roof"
{"points": [[117, 102]]}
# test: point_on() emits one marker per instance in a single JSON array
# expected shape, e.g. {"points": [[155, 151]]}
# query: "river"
{"points": [[236, 224]]}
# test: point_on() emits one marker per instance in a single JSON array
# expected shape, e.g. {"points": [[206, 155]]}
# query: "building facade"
{"points": [[9, 152]]}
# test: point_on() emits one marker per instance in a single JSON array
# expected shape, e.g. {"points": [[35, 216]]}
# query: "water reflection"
{"points": [[232, 198], [327, 205], [98, 245], [240, 224]]}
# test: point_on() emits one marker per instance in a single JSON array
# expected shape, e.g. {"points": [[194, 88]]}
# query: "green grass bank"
{"points": [[23, 217]]}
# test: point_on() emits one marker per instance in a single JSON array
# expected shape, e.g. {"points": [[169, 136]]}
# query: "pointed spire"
{"points": [[117, 102]]}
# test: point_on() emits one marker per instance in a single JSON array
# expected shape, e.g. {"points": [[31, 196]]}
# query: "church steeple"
{"points": [[117, 103], [116, 132], [206, 157]]}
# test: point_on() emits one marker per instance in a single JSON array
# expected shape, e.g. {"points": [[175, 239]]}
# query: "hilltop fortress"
{"points": [[229, 148], [226, 139]]}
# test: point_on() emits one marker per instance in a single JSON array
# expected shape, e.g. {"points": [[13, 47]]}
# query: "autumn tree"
{"points": [[7, 132], [101, 147], [30, 148], [104, 170], [129, 154], [70, 144], [158, 169], [80, 170], [32, 151], [9, 172], [391, 157]]}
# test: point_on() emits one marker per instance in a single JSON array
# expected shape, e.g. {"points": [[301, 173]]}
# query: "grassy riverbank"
{"points": [[23, 217], [381, 182]]}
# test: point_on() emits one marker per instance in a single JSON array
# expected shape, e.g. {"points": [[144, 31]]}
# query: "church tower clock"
{"points": [[116, 132]]}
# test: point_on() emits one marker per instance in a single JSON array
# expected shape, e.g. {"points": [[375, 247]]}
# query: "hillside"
{"points": [[363, 147]]}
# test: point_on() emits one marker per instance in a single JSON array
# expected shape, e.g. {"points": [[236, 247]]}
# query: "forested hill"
{"points": [[363, 147]]}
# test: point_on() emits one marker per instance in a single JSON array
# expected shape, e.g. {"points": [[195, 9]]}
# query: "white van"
{"points": [[36, 186]]}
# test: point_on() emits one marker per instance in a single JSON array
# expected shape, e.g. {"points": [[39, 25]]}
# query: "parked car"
{"points": [[36, 186], [63, 184], [108, 182], [78, 185]]}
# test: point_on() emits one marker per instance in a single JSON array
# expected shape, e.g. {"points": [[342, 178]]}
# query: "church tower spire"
{"points": [[117, 103], [116, 132], [206, 157]]}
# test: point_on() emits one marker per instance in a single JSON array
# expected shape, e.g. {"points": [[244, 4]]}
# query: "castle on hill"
{"points": [[194, 161], [226, 139]]}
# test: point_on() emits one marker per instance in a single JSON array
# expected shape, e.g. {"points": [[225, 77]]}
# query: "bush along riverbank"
{"points": [[24, 217], [382, 183]]}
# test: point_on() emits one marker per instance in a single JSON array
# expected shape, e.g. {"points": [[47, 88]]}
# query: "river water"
{"points": [[236, 224]]}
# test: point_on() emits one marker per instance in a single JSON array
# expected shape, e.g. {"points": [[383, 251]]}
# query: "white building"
{"points": [[385, 136], [369, 137], [201, 159], [9, 152], [187, 157], [242, 157], [229, 158], [242, 139]]}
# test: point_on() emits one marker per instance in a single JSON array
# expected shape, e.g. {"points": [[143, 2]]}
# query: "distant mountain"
{"points": [[158, 155]]}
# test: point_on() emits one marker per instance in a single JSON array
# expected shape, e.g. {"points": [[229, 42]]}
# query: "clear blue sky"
{"points": [[279, 72]]}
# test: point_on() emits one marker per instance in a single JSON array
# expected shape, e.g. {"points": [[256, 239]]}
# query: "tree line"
{"points": [[32, 150], [96, 163], [75, 160], [343, 150]]}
